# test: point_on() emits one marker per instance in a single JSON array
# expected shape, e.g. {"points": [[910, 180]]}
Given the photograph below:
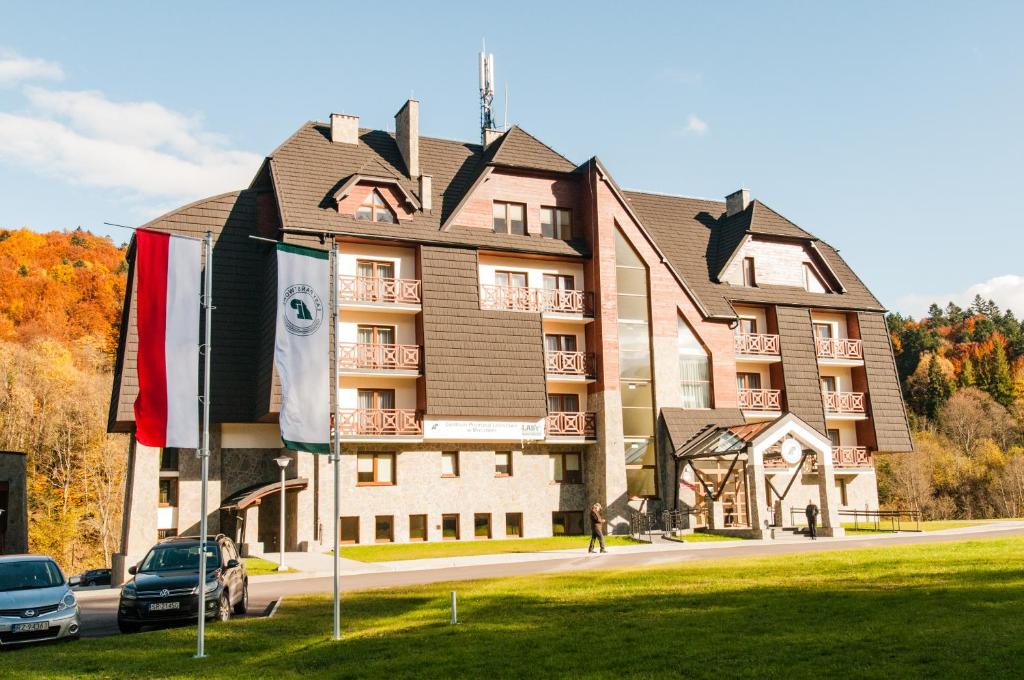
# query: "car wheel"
{"points": [[224, 607], [243, 604], [127, 627]]}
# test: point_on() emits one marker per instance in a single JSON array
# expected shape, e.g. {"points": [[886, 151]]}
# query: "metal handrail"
{"points": [[871, 519]]}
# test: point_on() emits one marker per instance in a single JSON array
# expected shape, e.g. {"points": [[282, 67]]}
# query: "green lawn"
{"points": [[921, 611], [394, 552], [257, 566]]}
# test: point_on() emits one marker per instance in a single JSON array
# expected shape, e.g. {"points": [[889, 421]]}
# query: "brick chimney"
{"points": [[737, 202], [407, 134], [344, 128]]}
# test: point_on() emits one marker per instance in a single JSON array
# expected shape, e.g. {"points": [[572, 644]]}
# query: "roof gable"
{"points": [[519, 149]]}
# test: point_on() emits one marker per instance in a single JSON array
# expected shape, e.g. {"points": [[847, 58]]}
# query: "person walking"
{"points": [[596, 527], [812, 520]]}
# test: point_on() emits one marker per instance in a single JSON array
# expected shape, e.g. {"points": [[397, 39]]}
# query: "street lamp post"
{"points": [[282, 462]]}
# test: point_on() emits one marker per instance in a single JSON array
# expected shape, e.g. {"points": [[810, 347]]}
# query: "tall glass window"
{"points": [[635, 373], [694, 377]]}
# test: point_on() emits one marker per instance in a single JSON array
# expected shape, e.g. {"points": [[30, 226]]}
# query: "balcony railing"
{"points": [[844, 402], [851, 456], [379, 422], [757, 343], [570, 363], [761, 400], [356, 355], [839, 348], [378, 289], [572, 424], [553, 301]]}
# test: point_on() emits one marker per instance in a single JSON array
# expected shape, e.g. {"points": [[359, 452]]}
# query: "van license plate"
{"points": [[163, 606], [26, 627]]}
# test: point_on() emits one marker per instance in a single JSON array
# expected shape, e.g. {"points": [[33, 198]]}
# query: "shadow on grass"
{"points": [[922, 611]]}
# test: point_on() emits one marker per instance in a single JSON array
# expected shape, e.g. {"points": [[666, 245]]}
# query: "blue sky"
{"points": [[891, 130]]}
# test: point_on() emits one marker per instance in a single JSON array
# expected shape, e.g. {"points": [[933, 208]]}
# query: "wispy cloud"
{"points": [[142, 149], [695, 126], [1007, 291], [678, 75], [15, 69]]}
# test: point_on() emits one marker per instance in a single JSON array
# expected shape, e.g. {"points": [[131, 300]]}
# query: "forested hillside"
{"points": [[962, 372], [60, 306]]}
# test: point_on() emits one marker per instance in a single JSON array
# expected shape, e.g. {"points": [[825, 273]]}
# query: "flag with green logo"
{"points": [[302, 347]]}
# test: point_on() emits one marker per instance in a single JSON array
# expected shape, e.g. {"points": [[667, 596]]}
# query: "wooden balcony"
{"points": [[851, 457], [380, 422], [542, 300], [757, 344], [374, 289], [570, 364], [839, 348], [844, 402], [760, 400], [378, 357], [578, 424]]}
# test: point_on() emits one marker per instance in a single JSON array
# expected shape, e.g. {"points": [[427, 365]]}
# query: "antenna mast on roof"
{"points": [[486, 91]]}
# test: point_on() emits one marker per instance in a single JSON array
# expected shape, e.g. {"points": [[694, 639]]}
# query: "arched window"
{"points": [[374, 209], [694, 374]]}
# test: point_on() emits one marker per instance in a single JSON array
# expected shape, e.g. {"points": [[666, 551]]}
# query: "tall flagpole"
{"points": [[204, 454], [336, 456]]}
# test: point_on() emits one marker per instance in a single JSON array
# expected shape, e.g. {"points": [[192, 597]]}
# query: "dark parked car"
{"points": [[36, 603], [92, 577], [164, 585]]}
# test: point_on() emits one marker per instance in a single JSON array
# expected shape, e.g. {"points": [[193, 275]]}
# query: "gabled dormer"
{"points": [[371, 198]]}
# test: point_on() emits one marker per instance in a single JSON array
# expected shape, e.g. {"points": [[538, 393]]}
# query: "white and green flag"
{"points": [[302, 347]]}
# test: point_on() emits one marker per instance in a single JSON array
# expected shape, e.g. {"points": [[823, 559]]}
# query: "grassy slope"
{"points": [[415, 551], [920, 611]]}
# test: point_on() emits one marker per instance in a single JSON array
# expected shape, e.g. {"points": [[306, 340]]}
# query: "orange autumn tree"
{"points": [[60, 306]]}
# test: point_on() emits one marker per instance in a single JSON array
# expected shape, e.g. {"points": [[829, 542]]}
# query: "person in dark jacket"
{"points": [[596, 527], [812, 520]]}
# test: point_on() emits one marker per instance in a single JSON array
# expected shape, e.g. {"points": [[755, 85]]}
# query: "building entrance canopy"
{"points": [[240, 500]]}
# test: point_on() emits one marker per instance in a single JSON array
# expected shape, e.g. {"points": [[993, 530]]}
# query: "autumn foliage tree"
{"points": [[60, 305]]}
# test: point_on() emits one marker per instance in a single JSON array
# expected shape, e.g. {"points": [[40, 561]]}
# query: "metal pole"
{"points": [[204, 454], [280, 565], [336, 457], [455, 610]]}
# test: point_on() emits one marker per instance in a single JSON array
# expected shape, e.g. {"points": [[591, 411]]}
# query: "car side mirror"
{"points": [[232, 564], [74, 581], [133, 570]]}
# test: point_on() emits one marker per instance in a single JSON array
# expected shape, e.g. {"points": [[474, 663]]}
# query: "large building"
{"points": [[519, 338]]}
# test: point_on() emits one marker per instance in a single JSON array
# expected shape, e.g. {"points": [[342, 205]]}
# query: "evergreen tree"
{"points": [[935, 316], [939, 388], [954, 314], [1000, 381], [967, 378]]}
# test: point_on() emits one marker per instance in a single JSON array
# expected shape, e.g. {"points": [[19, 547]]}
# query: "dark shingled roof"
{"points": [[236, 280], [519, 149], [888, 413], [478, 363], [697, 241], [308, 169], [802, 394], [683, 425]]}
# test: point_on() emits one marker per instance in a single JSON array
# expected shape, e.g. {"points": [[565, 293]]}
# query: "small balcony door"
{"points": [[748, 381], [823, 331], [747, 327], [563, 403], [376, 399], [560, 343], [376, 335], [510, 279], [559, 282], [828, 384], [372, 275]]}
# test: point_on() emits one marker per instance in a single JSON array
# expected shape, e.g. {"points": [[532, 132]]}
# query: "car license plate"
{"points": [[25, 627], [163, 606]]}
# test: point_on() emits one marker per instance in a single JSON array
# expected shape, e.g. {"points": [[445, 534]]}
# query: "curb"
{"points": [[272, 608]]}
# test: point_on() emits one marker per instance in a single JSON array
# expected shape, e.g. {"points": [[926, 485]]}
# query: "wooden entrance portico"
{"points": [[742, 450]]}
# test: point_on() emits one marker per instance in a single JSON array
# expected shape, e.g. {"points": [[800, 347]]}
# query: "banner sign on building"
{"points": [[302, 347], [483, 430]]}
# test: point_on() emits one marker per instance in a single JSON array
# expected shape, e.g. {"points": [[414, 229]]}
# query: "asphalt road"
{"points": [[99, 610]]}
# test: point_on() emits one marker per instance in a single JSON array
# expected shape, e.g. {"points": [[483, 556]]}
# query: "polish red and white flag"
{"points": [[168, 275]]}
